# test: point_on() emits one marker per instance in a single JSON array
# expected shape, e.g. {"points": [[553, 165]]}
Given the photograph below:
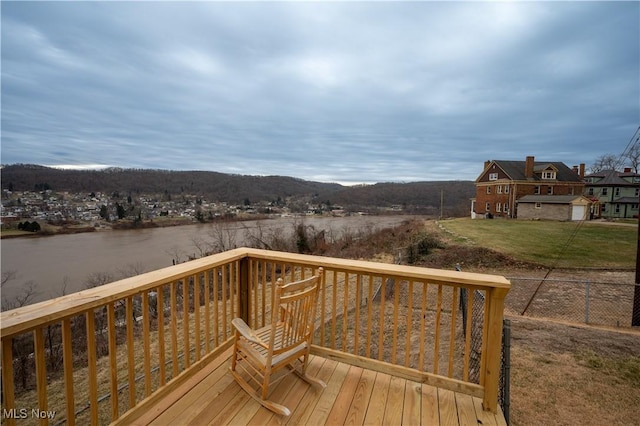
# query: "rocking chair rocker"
{"points": [[286, 342]]}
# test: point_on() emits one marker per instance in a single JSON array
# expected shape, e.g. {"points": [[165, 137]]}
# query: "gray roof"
{"points": [[515, 170], [611, 178], [549, 199]]}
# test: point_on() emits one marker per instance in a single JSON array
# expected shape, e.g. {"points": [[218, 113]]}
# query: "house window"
{"points": [[617, 192], [499, 189], [493, 176], [488, 207], [506, 189], [549, 190], [604, 208], [548, 175], [571, 190], [590, 191], [536, 190], [538, 205], [505, 207], [488, 190], [637, 192], [498, 205], [617, 208], [634, 207], [605, 191]]}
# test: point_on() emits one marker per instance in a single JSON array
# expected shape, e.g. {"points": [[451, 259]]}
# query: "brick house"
{"points": [[614, 194], [502, 183]]}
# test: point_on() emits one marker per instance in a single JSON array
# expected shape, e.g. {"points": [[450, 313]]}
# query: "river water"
{"points": [[65, 262]]}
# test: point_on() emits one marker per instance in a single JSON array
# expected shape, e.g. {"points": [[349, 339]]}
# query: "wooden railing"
{"points": [[92, 356]]}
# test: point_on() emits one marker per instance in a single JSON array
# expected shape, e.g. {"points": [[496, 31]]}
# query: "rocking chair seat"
{"points": [[284, 344], [258, 352]]}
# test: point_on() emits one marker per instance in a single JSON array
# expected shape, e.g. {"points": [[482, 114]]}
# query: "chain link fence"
{"points": [[572, 300]]}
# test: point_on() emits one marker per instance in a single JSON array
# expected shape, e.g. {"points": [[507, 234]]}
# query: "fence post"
{"points": [[586, 303], [490, 376]]}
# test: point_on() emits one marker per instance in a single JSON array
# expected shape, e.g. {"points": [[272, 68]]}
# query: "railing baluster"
{"points": [[207, 311], [423, 327], [407, 349], [174, 329], [67, 358], [111, 325], [41, 372], [323, 312], [452, 335], [345, 311], [468, 331], [131, 364], [186, 349], [369, 316], [334, 308], [396, 309], [146, 343], [356, 328], [216, 325], [224, 302], [92, 361], [436, 344], [264, 293], [161, 341], [383, 291], [196, 310], [8, 392]]}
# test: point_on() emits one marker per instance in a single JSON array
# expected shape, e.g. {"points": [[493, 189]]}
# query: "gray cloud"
{"points": [[348, 92]]}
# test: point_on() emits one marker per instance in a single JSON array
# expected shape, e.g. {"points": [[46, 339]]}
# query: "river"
{"points": [[63, 263]]}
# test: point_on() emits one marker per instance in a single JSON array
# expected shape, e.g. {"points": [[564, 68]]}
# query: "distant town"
{"points": [[99, 210]]}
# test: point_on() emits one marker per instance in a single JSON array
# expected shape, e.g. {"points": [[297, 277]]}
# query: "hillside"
{"points": [[424, 197]]}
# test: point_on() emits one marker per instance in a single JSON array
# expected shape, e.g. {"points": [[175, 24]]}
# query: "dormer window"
{"points": [[493, 176], [548, 174]]}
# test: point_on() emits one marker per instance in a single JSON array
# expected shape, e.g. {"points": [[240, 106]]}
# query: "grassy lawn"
{"points": [[550, 243]]}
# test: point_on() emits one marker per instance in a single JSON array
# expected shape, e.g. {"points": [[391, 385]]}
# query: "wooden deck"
{"points": [[353, 396]]}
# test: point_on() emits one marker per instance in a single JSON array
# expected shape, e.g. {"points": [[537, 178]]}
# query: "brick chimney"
{"points": [[627, 169], [528, 167], [581, 171], [486, 164]]}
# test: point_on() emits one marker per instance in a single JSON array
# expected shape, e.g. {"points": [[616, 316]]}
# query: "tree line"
{"points": [[417, 197]]}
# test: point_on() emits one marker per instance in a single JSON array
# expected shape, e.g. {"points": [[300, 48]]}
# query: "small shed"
{"points": [[553, 207]]}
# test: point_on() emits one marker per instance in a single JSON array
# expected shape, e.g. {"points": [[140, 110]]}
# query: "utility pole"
{"points": [[635, 316]]}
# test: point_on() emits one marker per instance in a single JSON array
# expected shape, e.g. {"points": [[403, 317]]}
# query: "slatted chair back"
{"points": [[293, 318]]}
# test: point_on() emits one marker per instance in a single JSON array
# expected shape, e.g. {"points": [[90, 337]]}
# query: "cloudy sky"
{"points": [[343, 92]]}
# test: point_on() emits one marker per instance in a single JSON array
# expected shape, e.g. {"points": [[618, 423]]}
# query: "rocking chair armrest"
{"points": [[247, 332]]}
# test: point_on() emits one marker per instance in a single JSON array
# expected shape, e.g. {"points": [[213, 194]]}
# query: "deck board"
{"points": [[353, 396]]}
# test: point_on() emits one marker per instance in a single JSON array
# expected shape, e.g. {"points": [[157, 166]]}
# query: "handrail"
{"points": [[162, 324]]}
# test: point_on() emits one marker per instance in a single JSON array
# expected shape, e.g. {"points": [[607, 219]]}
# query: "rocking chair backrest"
{"points": [[294, 313]]}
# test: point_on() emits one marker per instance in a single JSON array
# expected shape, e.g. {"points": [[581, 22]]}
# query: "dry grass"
{"points": [[568, 375]]}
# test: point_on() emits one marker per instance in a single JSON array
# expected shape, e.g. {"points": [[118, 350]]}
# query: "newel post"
{"points": [[243, 301], [493, 334]]}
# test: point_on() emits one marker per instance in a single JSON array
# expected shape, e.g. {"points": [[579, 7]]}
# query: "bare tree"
{"points": [[131, 270], [223, 237], [633, 155], [605, 162], [7, 276], [175, 253], [25, 297], [270, 238], [97, 279], [201, 245]]}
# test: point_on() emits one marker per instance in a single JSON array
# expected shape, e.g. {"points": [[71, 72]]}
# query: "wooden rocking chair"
{"points": [[286, 342]]}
